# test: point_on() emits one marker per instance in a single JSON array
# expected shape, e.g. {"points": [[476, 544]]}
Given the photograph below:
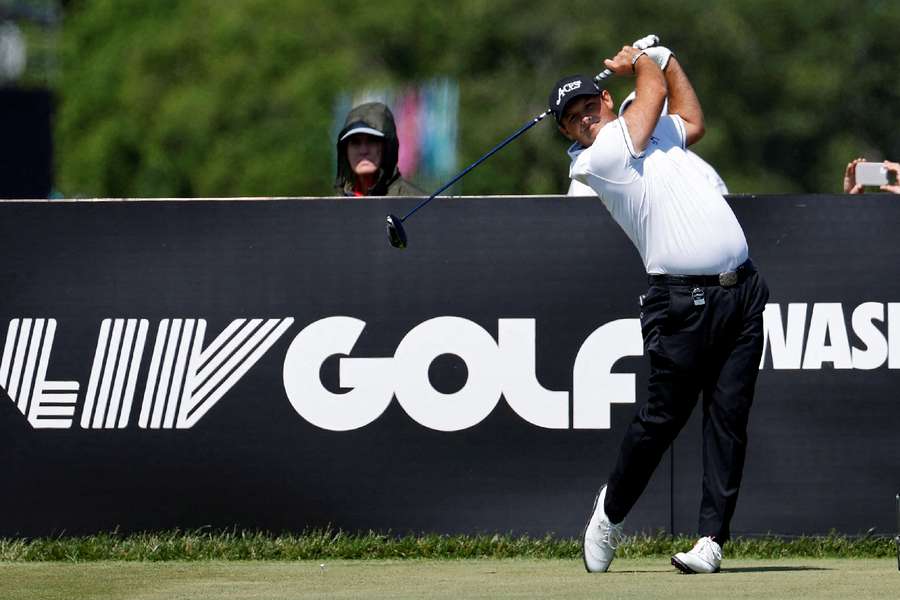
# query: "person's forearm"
{"points": [[650, 81], [683, 100], [643, 114]]}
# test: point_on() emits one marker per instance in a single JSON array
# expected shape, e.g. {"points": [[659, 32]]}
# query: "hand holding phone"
{"points": [[874, 174], [893, 175]]}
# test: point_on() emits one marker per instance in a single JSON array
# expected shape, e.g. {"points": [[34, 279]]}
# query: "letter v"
{"points": [[185, 381]]}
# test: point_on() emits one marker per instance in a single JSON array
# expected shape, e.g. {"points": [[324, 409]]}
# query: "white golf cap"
{"points": [[361, 128]]}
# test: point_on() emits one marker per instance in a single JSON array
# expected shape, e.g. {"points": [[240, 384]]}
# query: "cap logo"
{"points": [[569, 87]]}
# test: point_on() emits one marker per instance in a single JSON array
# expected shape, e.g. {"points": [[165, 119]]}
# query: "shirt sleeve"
{"points": [[576, 188], [671, 130], [626, 137], [608, 158]]}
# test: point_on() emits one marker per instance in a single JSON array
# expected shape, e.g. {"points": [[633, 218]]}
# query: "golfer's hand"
{"points": [[660, 55], [850, 185], [622, 64], [894, 168]]}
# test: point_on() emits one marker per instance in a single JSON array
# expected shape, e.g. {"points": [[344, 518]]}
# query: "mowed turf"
{"points": [[511, 578]]}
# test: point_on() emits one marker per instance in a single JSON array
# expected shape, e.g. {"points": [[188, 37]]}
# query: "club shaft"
{"points": [[521, 130]]}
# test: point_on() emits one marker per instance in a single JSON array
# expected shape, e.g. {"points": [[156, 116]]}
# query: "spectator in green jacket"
{"points": [[367, 149]]}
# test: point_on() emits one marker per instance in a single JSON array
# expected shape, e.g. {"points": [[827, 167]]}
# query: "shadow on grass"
{"points": [[772, 569], [729, 570]]}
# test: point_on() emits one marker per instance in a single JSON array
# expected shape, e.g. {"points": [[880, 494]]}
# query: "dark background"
{"points": [[26, 143], [824, 444]]}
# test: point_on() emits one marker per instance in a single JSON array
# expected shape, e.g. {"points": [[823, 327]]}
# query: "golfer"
{"points": [[702, 314], [576, 188]]}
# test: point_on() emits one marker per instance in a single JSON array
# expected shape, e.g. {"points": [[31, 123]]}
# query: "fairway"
{"points": [[644, 578]]}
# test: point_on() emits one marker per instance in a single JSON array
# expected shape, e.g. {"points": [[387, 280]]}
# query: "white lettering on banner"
{"points": [[827, 320], [876, 350], [371, 378], [827, 340], [46, 404], [525, 395], [185, 380], [894, 335], [507, 367], [477, 398], [593, 367], [786, 347], [192, 379], [114, 397]]}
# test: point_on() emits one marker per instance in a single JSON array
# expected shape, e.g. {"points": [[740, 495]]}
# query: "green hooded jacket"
{"points": [[377, 116]]}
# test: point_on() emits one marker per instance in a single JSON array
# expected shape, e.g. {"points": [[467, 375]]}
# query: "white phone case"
{"points": [[871, 173]]}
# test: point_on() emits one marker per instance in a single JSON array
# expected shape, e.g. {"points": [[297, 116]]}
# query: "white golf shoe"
{"points": [[704, 557], [601, 538]]}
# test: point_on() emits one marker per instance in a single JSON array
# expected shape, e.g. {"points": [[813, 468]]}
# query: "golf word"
{"points": [[505, 366], [183, 376]]}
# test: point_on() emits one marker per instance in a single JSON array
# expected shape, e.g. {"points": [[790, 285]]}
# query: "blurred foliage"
{"points": [[38, 21], [210, 98]]}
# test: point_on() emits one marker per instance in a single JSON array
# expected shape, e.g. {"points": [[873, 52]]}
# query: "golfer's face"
{"points": [[583, 119], [364, 153]]}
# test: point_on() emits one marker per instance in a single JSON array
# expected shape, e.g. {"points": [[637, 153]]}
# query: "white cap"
{"points": [[361, 129]]}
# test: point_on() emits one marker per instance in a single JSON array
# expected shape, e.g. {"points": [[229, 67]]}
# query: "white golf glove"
{"points": [[646, 42], [660, 55]]}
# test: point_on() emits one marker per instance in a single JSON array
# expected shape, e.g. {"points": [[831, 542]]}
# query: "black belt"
{"points": [[726, 279]]}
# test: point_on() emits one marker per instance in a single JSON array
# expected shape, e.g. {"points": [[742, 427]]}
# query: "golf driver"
{"points": [[396, 232]]}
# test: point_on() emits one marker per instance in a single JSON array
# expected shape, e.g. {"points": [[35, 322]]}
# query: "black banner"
{"points": [[275, 364]]}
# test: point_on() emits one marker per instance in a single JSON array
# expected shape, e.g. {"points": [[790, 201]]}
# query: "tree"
{"points": [[211, 98]]}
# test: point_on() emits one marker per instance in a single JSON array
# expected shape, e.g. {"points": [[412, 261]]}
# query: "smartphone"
{"points": [[874, 174]]}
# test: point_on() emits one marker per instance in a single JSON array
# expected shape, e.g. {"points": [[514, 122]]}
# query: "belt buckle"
{"points": [[728, 279]]}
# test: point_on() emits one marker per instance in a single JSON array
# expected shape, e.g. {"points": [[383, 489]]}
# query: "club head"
{"points": [[396, 234]]}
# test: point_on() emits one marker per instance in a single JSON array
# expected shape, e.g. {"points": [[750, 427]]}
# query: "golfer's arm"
{"points": [[650, 93], [683, 102]]}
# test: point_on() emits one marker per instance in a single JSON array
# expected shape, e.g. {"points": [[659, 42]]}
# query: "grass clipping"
{"points": [[334, 544]]}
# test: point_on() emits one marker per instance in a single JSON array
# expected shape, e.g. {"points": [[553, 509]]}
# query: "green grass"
{"points": [[328, 544], [478, 578]]}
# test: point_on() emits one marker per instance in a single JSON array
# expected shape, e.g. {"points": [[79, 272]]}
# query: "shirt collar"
{"points": [[574, 150]]}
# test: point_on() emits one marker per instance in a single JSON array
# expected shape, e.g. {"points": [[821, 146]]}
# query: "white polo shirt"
{"points": [[676, 219], [576, 188]]}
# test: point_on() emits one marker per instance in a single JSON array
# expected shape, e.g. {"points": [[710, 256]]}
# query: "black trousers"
{"points": [[713, 347]]}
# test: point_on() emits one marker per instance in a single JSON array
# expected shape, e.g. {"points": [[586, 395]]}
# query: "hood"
{"points": [[376, 116]]}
